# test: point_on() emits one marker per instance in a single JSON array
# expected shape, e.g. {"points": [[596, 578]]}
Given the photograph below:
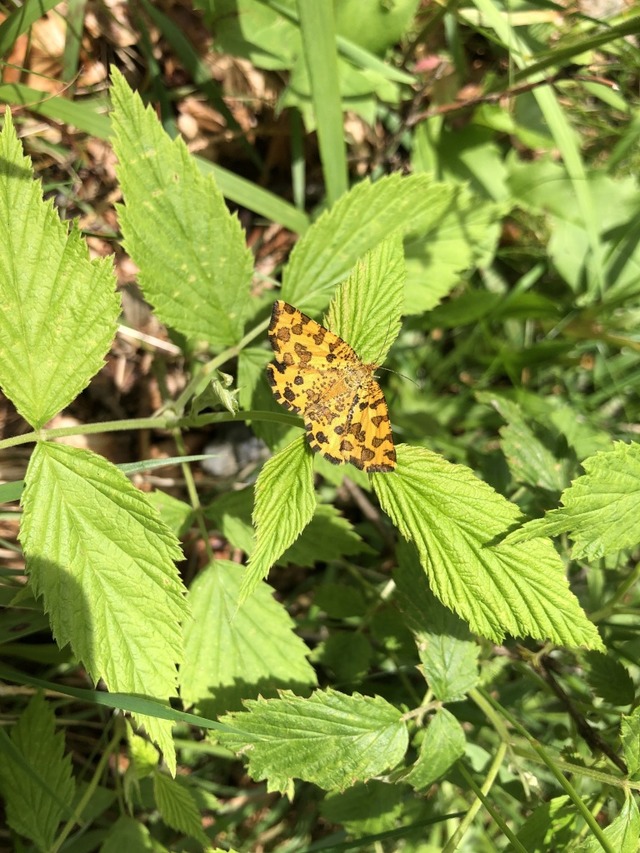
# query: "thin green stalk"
{"points": [[168, 422], [495, 814], [474, 808], [485, 701], [193, 495]]}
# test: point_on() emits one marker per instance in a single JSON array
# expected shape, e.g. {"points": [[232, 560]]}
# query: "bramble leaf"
{"points": [[102, 559], [58, 309], [455, 522], [330, 739], [195, 267], [232, 654]]}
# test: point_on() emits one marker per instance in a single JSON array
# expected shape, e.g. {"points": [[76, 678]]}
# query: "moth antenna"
{"points": [[403, 375]]}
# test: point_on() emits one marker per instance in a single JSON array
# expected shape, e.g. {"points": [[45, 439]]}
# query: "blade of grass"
{"points": [[298, 165], [559, 55], [519, 48], [85, 116], [18, 22], [318, 31], [73, 38], [131, 702]]}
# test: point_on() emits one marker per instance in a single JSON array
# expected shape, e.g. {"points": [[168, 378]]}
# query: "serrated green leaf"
{"points": [[195, 267], [328, 536], [103, 561], [144, 760], [177, 807], [622, 834], [444, 742], [448, 654], [31, 811], [233, 654], [530, 461], [527, 450], [552, 826], [284, 504], [232, 514], [366, 809], [339, 601], [176, 514], [455, 520], [609, 679], [131, 835], [58, 309], [330, 739], [366, 308], [601, 510], [144, 756], [630, 738], [346, 653], [357, 223], [439, 249]]}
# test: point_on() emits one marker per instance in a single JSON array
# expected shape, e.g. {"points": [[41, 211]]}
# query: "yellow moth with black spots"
{"points": [[319, 376]]}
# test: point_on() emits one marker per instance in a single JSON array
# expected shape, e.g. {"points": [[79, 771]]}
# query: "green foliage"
{"points": [[249, 651], [177, 228], [512, 253], [35, 777], [330, 738], [59, 309]]}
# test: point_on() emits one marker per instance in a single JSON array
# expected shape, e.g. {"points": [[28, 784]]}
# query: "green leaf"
{"points": [[622, 834], [328, 536], [455, 520], [233, 654], [176, 514], [144, 760], [448, 654], [194, 263], [103, 561], [347, 654], [366, 308], [253, 30], [439, 249], [58, 309], [444, 742], [601, 510], [527, 452], [366, 809], [131, 835], [232, 514], [177, 807], [31, 810], [144, 756], [285, 502], [358, 222], [340, 600], [552, 826], [330, 739], [630, 738], [609, 679]]}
